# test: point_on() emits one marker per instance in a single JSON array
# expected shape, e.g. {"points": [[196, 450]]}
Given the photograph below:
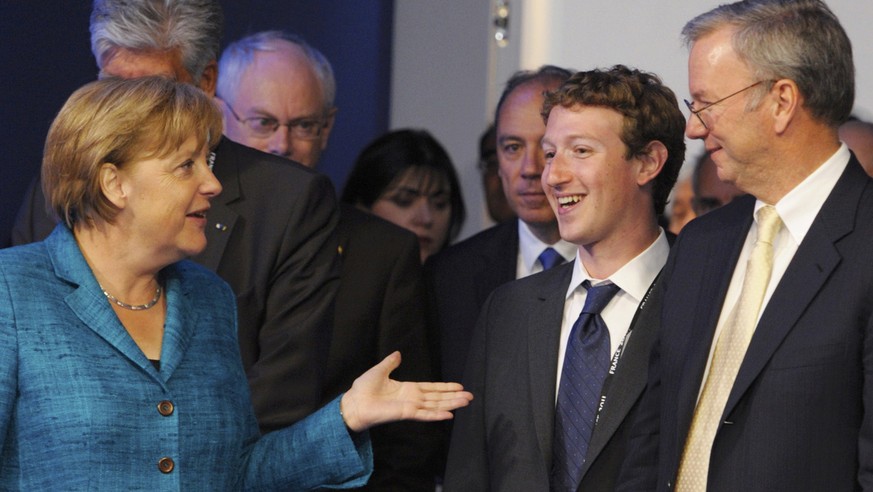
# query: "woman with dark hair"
{"points": [[406, 177]]}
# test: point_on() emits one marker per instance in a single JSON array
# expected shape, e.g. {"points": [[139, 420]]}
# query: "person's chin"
{"points": [[192, 247], [539, 215]]}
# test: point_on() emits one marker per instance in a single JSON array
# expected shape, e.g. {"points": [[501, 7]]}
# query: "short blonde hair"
{"points": [[118, 121]]}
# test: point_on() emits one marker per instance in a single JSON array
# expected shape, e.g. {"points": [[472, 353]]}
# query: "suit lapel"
{"points": [[718, 257], [544, 330], [221, 219], [630, 376], [815, 260], [87, 302], [181, 319]]}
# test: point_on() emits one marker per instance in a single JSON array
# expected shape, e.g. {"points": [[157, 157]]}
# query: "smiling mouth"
{"points": [[569, 201], [198, 215]]}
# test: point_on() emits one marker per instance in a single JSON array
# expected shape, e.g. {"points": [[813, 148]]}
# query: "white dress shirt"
{"points": [[797, 209], [634, 280], [530, 247]]}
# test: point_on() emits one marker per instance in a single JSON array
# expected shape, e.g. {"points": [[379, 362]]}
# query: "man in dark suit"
{"points": [[461, 277], [270, 234], [277, 95], [770, 392], [613, 148]]}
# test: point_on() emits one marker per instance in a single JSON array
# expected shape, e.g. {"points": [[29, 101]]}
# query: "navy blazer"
{"points": [[503, 440], [270, 235], [82, 408], [800, 414]]}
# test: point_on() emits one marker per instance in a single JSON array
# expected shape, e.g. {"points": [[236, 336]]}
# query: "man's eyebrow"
{"points": [[505, 138]]}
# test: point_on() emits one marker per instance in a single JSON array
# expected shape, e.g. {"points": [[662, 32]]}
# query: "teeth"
{"points": [[569, 200]]}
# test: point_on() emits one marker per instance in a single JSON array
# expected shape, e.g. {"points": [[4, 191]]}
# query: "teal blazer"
{"points": [[81, 408]]}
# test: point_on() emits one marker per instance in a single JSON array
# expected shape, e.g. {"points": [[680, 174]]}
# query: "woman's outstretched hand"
{"points": [[375, 399]]}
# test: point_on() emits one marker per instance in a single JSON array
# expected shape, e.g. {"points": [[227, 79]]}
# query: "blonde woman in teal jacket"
{"points": [[119, 360]]}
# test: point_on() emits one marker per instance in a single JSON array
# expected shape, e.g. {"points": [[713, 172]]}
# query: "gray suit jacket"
{"points": [[503, 440]]}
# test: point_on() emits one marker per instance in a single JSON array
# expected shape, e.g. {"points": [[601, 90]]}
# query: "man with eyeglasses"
{"points": [[277, 94], [270, 233], [762, 375]]}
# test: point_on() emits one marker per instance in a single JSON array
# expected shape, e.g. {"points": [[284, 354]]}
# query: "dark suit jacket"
{"points": [[503, 440], [799, 415], [460, 279], [379, 309], [270, 235]]}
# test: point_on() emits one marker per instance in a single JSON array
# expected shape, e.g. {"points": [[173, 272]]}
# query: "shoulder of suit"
{"points": [[503, 235], [248, 161], [355, 223], [536, 285], [737, 211]]}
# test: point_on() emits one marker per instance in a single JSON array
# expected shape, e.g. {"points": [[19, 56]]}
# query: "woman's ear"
{"points": [[111, 184], [652, 160]]}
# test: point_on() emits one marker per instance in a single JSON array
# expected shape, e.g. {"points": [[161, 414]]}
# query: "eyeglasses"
{"points": [[265, 126], [696, 112]]}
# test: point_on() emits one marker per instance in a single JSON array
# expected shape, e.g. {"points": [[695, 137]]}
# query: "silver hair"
{"points": [[192, 26], [800, 40], [240, 54]]}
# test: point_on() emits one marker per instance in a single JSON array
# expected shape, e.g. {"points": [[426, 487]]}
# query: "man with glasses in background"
{"points": [[277, 95]]}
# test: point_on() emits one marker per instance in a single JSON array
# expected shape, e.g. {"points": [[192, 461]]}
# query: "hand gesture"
{"points": [[375, 399]]}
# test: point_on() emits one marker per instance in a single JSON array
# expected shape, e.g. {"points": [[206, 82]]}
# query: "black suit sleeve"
{"points": [[294, 329], [639, 471], [405, 454]]}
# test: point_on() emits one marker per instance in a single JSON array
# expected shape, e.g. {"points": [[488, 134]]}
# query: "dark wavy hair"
{"points": [[649, 109], [389, 157]]}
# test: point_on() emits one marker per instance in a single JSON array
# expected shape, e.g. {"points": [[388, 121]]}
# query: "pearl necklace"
{"points": [[133, 307]]}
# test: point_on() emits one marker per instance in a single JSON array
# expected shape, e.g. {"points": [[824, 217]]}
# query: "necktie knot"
{"points": [[598, 296], [549, 258], [769, 223], [585, 366]]}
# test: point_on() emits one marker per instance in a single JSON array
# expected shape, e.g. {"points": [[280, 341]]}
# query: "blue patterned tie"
{"points": [[549, 258], [586, 363]]}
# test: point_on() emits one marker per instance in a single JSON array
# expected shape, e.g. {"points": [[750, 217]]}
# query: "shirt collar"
{"points": [[530, 247], [636, 276], [799, 207]]}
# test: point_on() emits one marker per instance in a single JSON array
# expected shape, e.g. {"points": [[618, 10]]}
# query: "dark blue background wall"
{"points": [[45, 55]]}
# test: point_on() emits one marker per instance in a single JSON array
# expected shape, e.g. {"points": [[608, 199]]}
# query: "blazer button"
{"points": [[166, 465], [166, 408]]}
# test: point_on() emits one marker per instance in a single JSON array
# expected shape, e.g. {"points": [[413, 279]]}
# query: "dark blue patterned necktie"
{"points": [[549, 258], [586, 363]]}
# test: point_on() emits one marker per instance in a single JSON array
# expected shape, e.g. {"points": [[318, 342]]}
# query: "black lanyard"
{"points": [[613, 365]]}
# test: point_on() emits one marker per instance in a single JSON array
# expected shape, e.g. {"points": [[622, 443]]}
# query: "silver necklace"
{"points": [[133, 307]]}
